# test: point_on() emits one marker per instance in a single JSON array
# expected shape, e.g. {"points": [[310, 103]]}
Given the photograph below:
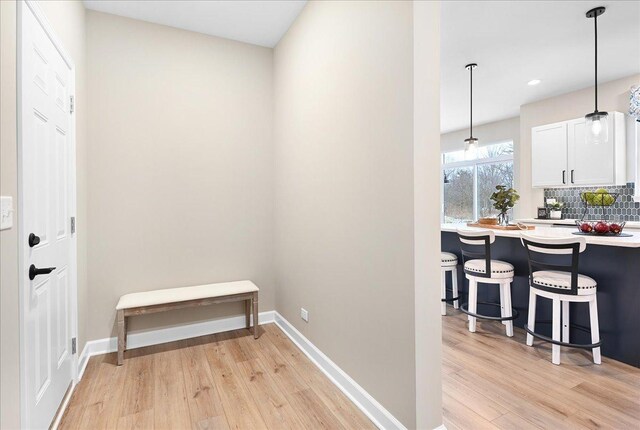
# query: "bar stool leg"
{"points": [[565, 321], [502, 303], [454, 286], [508, 311], [531, 321], [473, 304], [443, 291], [595, 329], [555, 349]]}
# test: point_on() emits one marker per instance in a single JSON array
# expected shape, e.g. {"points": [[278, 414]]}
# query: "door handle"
{"points": [[34, 271], [572, 176], [33, 240], [564, 176]]}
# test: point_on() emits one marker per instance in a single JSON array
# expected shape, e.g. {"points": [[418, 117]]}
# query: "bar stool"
{"points": [[449, 263], [563, 285], [480, 268]]}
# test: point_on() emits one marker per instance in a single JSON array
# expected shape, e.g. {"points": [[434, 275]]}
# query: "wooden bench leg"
{"points": [[255, 315], [247, 313], [121, 336]]}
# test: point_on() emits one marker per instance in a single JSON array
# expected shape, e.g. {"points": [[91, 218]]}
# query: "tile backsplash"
{"points": [[624, 209]]}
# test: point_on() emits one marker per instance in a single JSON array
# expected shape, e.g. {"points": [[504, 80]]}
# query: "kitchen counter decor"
{"points": [[601, 228], [516, 226], [504, 199], [488, 221], [599, 198]]}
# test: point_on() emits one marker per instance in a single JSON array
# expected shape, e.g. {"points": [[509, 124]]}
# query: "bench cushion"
{"points": [[184, 294]]}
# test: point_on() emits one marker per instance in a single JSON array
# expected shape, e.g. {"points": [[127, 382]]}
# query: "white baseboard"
{"points": [[377, 413], [164, 335]]}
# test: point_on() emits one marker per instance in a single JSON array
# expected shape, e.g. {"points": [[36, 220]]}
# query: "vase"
{"points": [[555, 214], [503, 218]]}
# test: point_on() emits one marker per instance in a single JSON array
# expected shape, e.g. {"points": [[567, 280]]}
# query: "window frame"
{"points": [[473, 163]]}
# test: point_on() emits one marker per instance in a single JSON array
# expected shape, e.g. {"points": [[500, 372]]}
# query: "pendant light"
{"points": [[596, 123], [471, 143]]}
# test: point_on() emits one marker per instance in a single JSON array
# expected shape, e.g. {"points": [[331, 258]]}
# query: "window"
{"points": [[469, 179]]}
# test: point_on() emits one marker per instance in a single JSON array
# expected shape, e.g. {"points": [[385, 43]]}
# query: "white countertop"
{"points": [[557, 231], [571, 222]]}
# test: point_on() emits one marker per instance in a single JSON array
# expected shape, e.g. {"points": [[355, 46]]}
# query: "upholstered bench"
{"points": [[176, 298]]}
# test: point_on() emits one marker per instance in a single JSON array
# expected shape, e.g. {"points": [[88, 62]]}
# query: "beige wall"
{"points": [[67, 19], [612, 96], [344, 193], [180, 166], [175, 195], [426, 173], [9, 299]]}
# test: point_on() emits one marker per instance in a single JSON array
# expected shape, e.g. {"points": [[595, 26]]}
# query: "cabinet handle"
{"points": [[564, 176], [572, 177]]}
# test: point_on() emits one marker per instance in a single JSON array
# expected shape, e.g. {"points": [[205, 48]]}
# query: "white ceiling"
{"points": [[258, 22], [514, 42]]}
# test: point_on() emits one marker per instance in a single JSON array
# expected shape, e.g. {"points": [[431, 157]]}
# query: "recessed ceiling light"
{"points": [[534, 82]]}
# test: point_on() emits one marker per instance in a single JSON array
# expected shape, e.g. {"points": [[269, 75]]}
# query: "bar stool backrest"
{"points": [[476, 244], [538, 246]]}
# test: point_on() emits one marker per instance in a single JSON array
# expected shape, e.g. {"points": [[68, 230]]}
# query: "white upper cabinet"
{"points": [[549, 155], [561, 157]]}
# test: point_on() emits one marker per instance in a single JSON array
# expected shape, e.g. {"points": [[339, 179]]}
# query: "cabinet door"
{"points": [[549, 155], [590, 164]]}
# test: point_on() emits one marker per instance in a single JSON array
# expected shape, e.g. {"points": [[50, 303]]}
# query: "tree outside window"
{"points": [[469, 179]]}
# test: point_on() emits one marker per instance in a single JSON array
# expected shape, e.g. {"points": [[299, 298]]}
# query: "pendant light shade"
{"points": [[596, 123], [471, 143], [597, 128]]}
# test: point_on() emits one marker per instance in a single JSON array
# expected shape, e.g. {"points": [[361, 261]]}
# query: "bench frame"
{"points": [[250, 301]]}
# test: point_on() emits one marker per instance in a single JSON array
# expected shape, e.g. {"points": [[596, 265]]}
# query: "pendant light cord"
{"points": [[595, 26], [471, 102]]}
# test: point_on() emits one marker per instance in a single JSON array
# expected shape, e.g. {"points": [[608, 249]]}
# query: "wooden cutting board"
{"points": [[501, 227]]}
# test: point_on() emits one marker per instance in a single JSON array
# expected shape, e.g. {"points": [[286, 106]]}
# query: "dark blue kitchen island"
{"points": [[613, 262]]}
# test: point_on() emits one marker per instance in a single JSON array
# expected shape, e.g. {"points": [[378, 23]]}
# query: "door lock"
{"points": [[33, 240], [34, 271]]}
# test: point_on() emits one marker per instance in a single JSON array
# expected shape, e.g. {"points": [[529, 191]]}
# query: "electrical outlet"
{"points": [[304, 314]]}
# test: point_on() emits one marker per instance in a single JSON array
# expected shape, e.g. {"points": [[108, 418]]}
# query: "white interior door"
{"points": [[46, 189]]}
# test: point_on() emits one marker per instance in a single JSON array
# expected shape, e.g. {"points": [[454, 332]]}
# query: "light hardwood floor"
{"points": [[494, 382], [229, 380], [222, 381]]}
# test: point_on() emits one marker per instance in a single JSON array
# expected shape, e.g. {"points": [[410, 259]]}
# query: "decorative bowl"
{"points": [[600, 228]]}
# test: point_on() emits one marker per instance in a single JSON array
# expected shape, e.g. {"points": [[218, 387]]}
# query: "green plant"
{"points": [[504, 198], [556, 206]]}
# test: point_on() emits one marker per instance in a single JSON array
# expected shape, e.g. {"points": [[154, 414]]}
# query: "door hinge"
{"points": [[71, 104], [73, 345], [73, 225]]}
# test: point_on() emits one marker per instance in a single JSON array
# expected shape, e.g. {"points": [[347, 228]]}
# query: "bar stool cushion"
{"points": [[562, 281], [448, 259], [499, 269]]}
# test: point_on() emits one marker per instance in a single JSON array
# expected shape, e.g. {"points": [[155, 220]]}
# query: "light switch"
{"points": [[6, 212]]}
